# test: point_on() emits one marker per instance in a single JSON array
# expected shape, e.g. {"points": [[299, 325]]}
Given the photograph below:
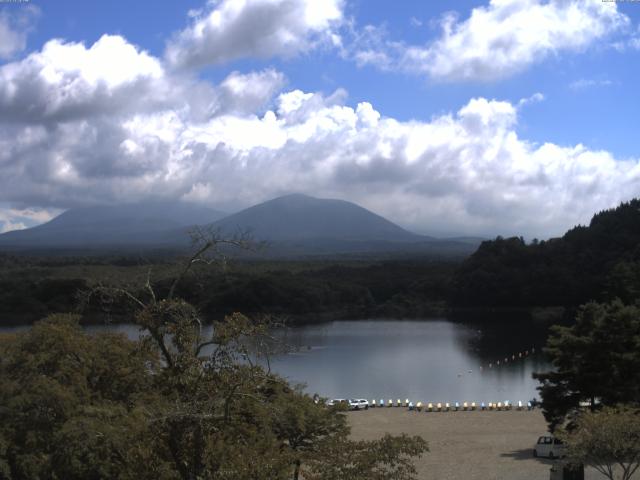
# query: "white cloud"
{"points": [[535, 98], [500, 39], [66, 111], [88, 134], [585, 83], [248, 93], [631, 41], [14, 29], [68, 80], [231, 29]]}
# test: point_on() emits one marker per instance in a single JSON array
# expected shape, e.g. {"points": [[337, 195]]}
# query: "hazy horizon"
{"points": [[221, 214]]}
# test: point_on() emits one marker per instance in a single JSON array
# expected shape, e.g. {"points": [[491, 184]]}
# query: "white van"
{"points": [[549, 447]]}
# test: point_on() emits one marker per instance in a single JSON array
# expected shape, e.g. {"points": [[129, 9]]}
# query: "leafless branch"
{"points": [[109, 293], [208, 242], [148, 286]]}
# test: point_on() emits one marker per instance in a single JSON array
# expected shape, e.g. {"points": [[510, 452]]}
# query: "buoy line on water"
{"points": [[522, 355], [510, 358], [466, 406]]}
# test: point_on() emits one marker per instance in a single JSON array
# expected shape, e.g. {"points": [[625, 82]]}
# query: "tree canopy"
{"points": [[608, 440], [597, 360], [595, 262]]}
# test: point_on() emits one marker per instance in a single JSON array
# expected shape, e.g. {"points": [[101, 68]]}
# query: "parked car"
{"points": [[550, 447], [336, 401], [358, 404]]}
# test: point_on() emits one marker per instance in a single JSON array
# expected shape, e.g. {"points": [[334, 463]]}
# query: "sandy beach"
{"points": [[466, 445]]}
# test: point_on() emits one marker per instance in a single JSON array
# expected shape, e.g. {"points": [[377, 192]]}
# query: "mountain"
{"points": [[300, 225], [144, 223], [292, 226], [301, 218]]}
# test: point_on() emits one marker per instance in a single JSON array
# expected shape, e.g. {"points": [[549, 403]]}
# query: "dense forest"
{"points": [[300, 291], [596, 262]]}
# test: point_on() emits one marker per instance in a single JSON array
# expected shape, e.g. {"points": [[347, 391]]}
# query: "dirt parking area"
{"points": [[477, 445]]}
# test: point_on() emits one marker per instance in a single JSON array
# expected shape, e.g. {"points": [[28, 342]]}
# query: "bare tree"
{"points": [[174, 325]]}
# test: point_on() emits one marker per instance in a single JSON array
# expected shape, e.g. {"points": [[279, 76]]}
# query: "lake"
{"points": [[432, 361], [429, 360]]}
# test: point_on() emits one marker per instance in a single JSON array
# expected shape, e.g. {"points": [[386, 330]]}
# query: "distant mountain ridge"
{"points": [[292, 225], [143, 223]]}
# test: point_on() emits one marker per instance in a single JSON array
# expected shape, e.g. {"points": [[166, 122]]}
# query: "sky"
{"points": [[494, 117]]}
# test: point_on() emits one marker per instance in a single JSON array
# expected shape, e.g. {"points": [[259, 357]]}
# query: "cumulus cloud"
{"points": [[64, 81], [74, 132], [14, 28], [66, 112], [231, 29], [500, 39], [248, 93]]}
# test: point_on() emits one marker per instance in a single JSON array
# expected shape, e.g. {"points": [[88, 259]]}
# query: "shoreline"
{"points": [[534, 316]]}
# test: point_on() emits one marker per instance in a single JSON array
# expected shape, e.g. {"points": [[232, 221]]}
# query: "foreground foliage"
{"points": [[608, 440], [80, 406]]}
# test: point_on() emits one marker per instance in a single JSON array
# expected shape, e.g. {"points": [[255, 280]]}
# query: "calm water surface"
{"points": [[430, 360], [433, 361]]}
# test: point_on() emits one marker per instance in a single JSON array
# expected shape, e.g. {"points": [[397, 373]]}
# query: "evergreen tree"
{"points": [[597, 360]]}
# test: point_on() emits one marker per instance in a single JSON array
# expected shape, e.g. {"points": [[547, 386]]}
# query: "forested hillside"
{"points": [[595, 262]]}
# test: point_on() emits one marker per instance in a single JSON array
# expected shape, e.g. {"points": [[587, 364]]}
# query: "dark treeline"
{"points": [[386, 289], [596, 262], [299, 290]]}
